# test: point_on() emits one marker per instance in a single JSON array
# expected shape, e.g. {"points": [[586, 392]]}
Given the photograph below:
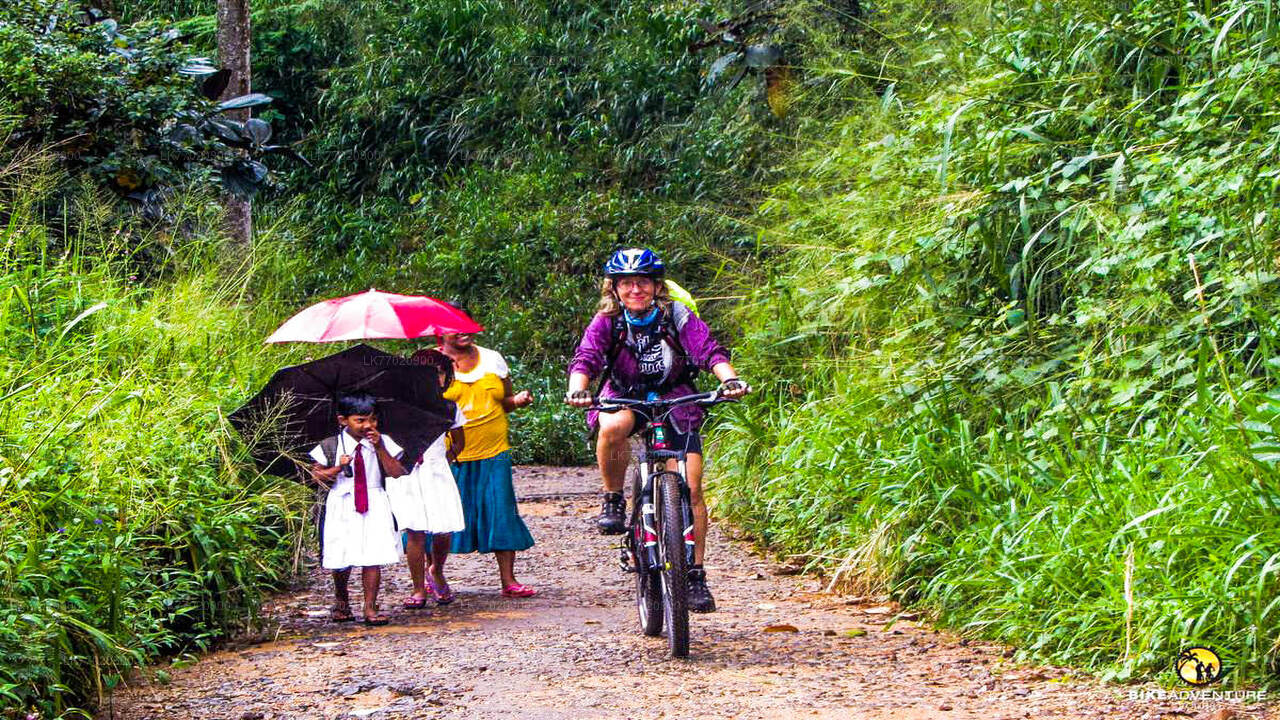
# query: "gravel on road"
{"points": [[778, 647]]}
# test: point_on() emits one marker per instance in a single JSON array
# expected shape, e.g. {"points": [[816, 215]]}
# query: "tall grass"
{"points": [[1016, 344], [130, 523]]}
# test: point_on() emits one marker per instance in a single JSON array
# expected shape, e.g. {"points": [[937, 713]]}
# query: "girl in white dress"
{"points": [[358, 528], [426, 501]]}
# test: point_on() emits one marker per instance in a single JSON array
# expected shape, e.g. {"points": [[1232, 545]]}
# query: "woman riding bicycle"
{"points": [[642, 342]]}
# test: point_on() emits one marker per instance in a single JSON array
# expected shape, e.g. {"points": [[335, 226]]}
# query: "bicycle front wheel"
{"points": [[675, 579], [648, 585]]}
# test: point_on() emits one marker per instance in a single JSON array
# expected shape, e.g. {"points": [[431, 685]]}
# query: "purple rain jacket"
{"points": [[699, 348]]}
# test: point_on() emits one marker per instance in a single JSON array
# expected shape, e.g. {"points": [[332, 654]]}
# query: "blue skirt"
{"points": [[489, 507]]}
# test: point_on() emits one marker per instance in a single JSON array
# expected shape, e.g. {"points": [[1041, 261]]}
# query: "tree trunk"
{"points": [[234, 41]]}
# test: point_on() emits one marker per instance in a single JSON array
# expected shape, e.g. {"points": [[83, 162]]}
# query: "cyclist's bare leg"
{"points": [[613, 450], [693, 475]]}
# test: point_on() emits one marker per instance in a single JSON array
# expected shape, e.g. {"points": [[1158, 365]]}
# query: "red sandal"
{"points": [[516, 590]]}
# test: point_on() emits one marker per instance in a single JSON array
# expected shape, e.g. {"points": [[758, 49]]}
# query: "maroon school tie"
{"points": [[362, 485]]}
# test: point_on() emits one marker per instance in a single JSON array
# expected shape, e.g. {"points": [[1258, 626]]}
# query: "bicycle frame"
{"points": [[656, 453]]}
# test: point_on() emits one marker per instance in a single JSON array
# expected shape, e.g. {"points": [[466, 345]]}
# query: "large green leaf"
{"points": [[245, 101], [259, 131], [720, 65], [244, 178]]}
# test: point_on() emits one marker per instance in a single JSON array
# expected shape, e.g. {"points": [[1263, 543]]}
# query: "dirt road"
{"points": [[574, 651]]}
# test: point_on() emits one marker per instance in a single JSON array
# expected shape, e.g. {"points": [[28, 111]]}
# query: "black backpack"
{"points": [[670, 322]]}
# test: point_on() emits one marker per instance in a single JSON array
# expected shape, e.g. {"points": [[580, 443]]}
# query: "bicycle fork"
{"points": [[639, 551], [648, 552], [686, 516], [643, 540], [648, 515], [686, 519]]}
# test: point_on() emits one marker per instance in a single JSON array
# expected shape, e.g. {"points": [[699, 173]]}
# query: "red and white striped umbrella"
{"points": [[374, 315]]}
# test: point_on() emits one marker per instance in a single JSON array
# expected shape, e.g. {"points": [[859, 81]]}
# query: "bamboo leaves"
{"points": [[1064, 401]]}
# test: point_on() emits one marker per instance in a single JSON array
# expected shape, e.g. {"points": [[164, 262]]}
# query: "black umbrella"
{"points": [[296, 408]]}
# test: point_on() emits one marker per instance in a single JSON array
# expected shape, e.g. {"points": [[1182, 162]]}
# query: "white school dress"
{"points": [[353, 539], [427, 498]]}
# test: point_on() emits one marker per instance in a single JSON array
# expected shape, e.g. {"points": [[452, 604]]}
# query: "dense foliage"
{"points": [[129, 107], [1018, 358], [1008, 274], [130, 524], [499, 163]]}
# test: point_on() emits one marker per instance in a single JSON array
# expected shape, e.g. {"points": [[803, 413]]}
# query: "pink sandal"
{"points": [[516, 590]]}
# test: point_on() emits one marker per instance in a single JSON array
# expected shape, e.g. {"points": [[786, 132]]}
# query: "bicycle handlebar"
{"points": [[618, 404]]}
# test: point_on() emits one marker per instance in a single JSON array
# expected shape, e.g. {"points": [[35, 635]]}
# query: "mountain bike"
{"points": [[658, 542]]}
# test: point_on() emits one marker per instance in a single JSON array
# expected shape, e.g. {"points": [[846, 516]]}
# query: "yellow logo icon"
{"points": [[1199, 666]]}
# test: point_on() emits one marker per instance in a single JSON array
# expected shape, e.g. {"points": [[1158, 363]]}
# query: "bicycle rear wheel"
{"points": [[675, 579], [648, 585]]}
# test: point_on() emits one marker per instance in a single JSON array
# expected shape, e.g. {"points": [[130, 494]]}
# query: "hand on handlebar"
{"points": [[734, 388], [578, 398]]}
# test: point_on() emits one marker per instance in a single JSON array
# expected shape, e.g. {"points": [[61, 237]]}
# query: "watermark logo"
{"points": [[1198, 666], [1199, 696]]}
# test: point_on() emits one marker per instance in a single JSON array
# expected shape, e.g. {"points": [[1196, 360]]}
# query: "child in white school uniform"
{"points": [[358, 529], [426, 501]]}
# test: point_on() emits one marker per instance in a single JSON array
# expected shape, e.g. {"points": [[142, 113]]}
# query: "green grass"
{"points": [[1014, 348], [130, 523]]}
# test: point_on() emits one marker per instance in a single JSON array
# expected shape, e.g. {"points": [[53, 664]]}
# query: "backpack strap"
{"points": [[329, 446], [617, 340], [679, 316], [670, 324]]}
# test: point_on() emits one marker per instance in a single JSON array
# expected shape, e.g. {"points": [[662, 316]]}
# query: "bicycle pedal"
{"points": [[625, 559]]}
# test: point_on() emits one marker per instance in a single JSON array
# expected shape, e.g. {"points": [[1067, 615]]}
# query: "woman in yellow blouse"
{"points": [[482, 389]]}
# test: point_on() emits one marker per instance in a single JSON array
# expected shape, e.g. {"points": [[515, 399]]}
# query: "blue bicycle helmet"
{"points": [[634, 261]]}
